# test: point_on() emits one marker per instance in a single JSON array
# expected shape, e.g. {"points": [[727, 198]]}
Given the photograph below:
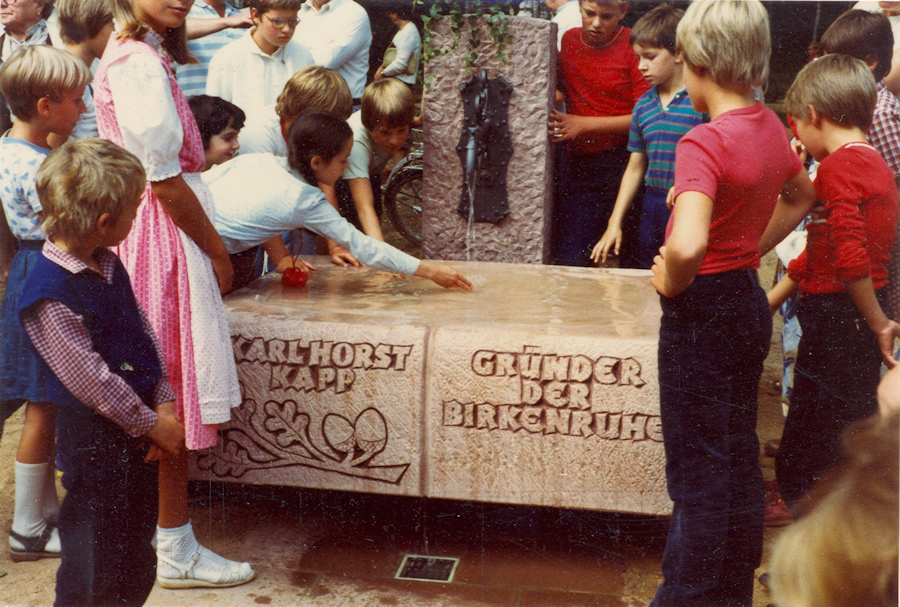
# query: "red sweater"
{"points": [[599, 82], [852, 228]]}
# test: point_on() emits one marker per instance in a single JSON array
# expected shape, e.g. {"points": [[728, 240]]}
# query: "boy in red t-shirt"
{"points": [[600, 82], [716, 324], [842, 274]]}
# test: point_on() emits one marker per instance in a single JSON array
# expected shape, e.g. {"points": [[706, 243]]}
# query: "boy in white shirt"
{"points": [[251, 71]]}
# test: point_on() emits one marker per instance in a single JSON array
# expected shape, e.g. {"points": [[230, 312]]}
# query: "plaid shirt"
{"points": [[62, 340], [884, 134]]}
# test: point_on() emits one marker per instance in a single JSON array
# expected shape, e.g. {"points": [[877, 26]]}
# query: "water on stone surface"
{"points": [[577, 300]]}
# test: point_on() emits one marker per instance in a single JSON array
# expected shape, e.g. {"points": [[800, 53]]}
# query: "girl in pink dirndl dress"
{"points": [[140, 107]]}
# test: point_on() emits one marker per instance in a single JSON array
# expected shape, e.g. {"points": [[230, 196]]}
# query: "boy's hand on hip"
{"points": [[886, 336]]}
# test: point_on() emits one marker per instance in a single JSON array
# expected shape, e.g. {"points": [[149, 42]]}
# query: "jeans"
{"points": [[652, 225], [835, 380], [713, 340]]}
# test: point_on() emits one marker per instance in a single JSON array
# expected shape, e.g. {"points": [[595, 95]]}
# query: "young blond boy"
{"points": [[104, 372], [842, 275], [716, 325], [251, 71], [44, 87], [380, 129], [312, 87], [85, 26], [660, 117]]}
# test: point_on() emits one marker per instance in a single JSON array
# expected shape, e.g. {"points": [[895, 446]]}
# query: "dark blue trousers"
{"points": [[586, 201], [108, 517], [835, 381], [652, 225], [713, 340]]}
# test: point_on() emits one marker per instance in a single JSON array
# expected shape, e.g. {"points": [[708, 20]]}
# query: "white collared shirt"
{"points": [[252, 80], [338, 36]]}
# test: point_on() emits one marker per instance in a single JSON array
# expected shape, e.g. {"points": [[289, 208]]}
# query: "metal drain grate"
{"points": [[427, 568]]}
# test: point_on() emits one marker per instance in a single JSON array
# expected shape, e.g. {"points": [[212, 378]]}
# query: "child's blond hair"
{"points": [[844, 553], [37, 71], [389, 102], [729, 39], [264, 6], [83, 179], [314, 87], [839, 87], [81, 20], [657, 28]]}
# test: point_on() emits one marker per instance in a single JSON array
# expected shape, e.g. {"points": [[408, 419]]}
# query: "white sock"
{"points": [[178, 544], [28, 519], [50, 499]]}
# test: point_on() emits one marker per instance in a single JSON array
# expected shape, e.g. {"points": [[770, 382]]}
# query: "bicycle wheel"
{"points": [[403, 203]]}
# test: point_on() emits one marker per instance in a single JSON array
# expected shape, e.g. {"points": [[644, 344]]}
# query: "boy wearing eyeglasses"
{"points": [[251, 71]]}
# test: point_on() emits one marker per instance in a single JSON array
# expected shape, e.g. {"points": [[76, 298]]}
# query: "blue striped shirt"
{"points": [[192, 77], [656, 131]]}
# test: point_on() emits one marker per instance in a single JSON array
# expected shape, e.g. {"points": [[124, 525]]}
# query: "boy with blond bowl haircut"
{"points": [[251, 71], [85, 26], [716, 325], [44, 87], [104, 371], [842, 274], [380, 130], [313, 87], [661, 116]]}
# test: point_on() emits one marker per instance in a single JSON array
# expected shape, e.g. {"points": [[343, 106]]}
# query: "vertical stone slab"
{"points": [[524, 235], [326, 405], [560, 420]]}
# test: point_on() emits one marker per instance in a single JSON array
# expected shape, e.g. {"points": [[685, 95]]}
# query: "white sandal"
{"points": [[231, 573]]}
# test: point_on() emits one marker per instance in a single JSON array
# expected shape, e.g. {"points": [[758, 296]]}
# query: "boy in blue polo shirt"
{"points": [[660, 117]]}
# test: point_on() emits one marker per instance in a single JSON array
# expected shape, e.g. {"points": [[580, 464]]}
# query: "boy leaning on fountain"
{"points": [[716, 324]]}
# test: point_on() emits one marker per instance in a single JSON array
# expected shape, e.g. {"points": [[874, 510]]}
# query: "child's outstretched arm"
{"points": [[364, 200], [780, 293], [677, 264], [445, 276], [339, 255], [886, 330], [797, 199], [631, 182]]}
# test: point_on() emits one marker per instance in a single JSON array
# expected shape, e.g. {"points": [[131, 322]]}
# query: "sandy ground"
{"points": [[217, 517]]}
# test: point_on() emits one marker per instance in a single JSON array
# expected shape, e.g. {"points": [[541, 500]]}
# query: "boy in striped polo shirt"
{"points": [[660, 117]]}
